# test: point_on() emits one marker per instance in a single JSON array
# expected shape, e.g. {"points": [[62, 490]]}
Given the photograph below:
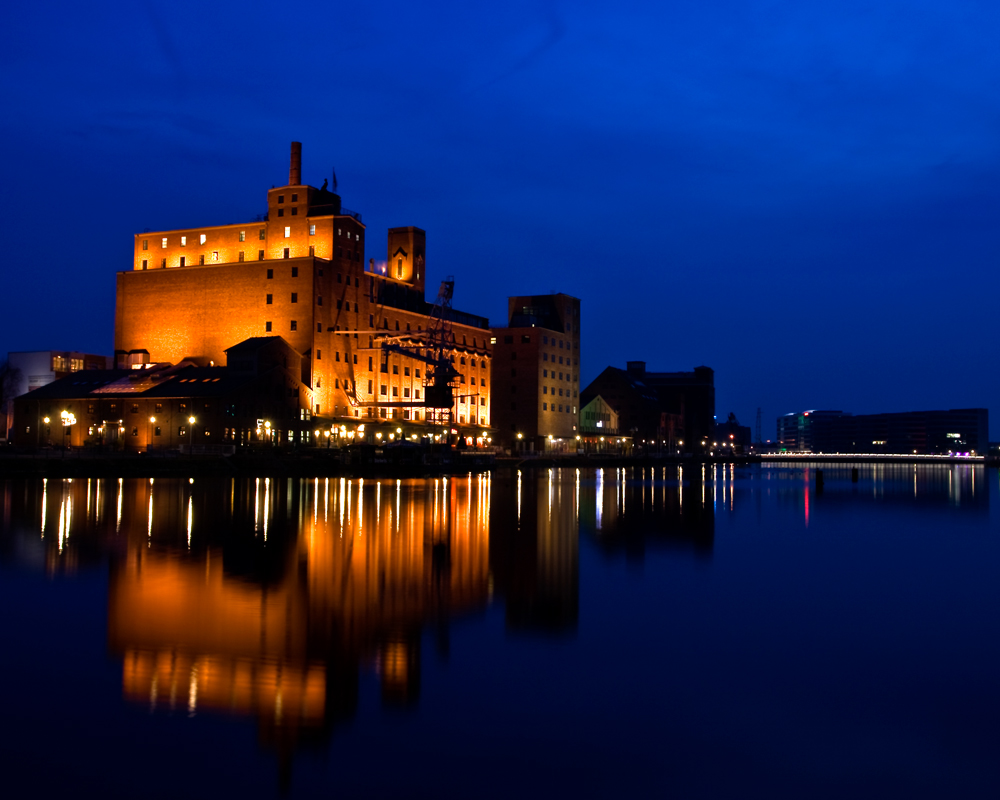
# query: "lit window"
{"points": [[243, 236], [164, 244], [261, 237], [215, 255], [145, 244], [312, 230], [288, 232], [203, 238], [184, 241]]}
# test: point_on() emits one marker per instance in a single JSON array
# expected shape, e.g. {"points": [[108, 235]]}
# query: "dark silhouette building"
{"points": [[669, 408], [962, 430]]}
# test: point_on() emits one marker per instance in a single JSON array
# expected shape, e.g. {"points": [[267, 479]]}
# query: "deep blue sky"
{"points": [[804, 196]]}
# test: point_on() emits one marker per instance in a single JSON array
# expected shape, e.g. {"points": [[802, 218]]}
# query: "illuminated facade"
{"points": [[537, 374], [300, 272]]}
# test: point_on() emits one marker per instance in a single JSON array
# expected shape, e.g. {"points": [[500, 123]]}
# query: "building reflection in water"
{"points": [[267, 597], [630, 509]]}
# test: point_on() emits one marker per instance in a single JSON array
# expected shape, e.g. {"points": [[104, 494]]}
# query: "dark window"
{"points": [[369, 387], [241, 255], [295, 198], [260, 255], [201, 259], [295, 212], [163, 262], [319, 327], [319, 300], [270, 274], [382, 390], [295, 325], [281, 198], [295, 272], [508, 340], [267, 327], [319, 355], [295, 297], [145, 263], [395, 369], [270, 299], [526, 339], [261, 237], [156, 431], [312, 252], [281, 212], [286, 252]]}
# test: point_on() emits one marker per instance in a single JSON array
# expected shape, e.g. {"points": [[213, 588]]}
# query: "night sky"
{"points": [[804, 196]]}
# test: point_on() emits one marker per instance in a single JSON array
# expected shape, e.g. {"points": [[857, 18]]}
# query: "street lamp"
{"points": [[149, 437]]}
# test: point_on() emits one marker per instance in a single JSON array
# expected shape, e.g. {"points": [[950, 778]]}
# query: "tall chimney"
{"points": [[295, 168]]}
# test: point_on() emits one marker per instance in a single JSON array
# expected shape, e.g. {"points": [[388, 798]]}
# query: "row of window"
{"points": [[182, 262], [545, 374], [545, 407], [552, 390], [203, 238]]}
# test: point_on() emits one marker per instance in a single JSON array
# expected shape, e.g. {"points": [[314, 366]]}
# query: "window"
{"points": [[243, 236], [508, 340], [312, 230], [270, 274], [267, 327], [295, 272], [164, 243], [281, 198], [270, 299], [338, 356], [184, 241], [156, 431], [281, 212], [406, 392], [416, 393], [545, 340], [545, 390], [286, 253], [406, 371], [288, 231], [383, 390], [145, 263], [241, 255], [395, 391], [295, 297], [295, 212], [163, 262], [369, 387], [135, 408], [294, 325], [369, 363], [312, 252], [261, 234], [135, 431], [526, 339], [260, 255], [371, 320], [182, 261], [416, 374], [395, 369], [545, 373], [319, 327], [203, 238], [145, 244], [545, 406], [319, 355], [295, 198]]}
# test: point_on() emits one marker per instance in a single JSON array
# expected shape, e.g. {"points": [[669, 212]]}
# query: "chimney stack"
{"points": [[295, 168]]}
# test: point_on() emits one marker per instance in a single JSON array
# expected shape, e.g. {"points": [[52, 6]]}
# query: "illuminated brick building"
{"points": [[537, 373], [301, 273]]}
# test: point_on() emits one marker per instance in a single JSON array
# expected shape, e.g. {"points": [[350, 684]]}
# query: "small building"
{"points": [[536, 374], [32, 369], [260, 397]]}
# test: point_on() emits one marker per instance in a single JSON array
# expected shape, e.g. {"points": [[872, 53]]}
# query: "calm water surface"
{"points": [[729, 632]]}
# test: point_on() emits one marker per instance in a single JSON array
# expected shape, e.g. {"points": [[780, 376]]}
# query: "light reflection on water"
{"points": [[275, 604]]}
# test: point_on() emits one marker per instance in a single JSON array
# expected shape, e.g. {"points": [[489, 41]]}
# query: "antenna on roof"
{"points": [[334, 179]]}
